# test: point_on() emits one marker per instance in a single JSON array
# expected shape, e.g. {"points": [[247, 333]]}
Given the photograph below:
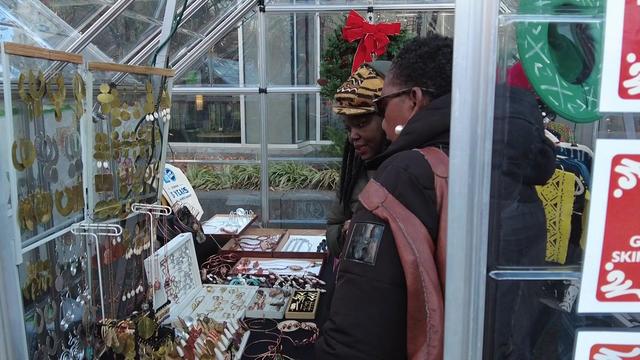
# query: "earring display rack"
{"points": [[43, 136], [126, 138], [76, 170]]}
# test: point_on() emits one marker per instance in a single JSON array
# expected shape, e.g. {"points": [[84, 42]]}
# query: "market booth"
{"points": [[169, 166]]}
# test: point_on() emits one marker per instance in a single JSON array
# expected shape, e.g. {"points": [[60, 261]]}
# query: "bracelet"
{"points": [[255, 324]]}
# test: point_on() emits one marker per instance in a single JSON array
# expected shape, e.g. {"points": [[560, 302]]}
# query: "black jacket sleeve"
{"points": [[368, 313]]}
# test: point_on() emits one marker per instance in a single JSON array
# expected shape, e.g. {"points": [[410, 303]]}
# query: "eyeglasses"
{"points": [[381, 103]]}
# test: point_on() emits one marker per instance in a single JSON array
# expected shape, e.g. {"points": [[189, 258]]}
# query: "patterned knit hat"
{"points": [[356, 95]]}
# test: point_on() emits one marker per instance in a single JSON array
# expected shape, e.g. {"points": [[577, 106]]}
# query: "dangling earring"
{"points": [[398, 129]]}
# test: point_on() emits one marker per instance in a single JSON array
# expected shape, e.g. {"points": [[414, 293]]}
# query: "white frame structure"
{"points": [[475, 38]]}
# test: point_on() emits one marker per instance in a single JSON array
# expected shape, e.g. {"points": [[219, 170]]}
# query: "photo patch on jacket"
{"points": [[364, 242]]}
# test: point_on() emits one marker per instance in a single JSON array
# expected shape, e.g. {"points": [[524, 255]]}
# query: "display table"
{"points": [[305, 352]]}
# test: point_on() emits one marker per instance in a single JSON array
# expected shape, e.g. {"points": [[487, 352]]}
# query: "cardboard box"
{"points": [[177, 262], [255, 242], [303, 305], [302, 243]]}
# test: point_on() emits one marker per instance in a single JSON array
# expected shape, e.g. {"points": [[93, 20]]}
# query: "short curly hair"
{"points": [[425, 62]]}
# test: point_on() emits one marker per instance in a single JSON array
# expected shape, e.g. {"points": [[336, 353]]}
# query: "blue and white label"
{"points": [[169, 176]]}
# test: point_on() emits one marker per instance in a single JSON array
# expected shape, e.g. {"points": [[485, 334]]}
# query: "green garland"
{"points": [[337, 58]]}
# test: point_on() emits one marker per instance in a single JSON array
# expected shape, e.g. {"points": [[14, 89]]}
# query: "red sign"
{"points": [[614, 352], [620, 80], [619, 278], [611, 268], [629, 83], [607, 345]]}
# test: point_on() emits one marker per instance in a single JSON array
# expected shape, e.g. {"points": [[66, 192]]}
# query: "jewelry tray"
{"points": [[255, 242], [301, 243], [185, 286], [279, 266], [308, 300], [216, 224], [269, 311]]}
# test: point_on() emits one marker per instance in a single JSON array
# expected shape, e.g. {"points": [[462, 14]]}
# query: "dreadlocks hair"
{"points": [[425, 62], [350, 171]]}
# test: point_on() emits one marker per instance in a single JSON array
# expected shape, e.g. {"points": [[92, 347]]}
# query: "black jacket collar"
{"points": [[428, 127]]}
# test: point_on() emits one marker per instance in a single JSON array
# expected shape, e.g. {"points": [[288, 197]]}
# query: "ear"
{"points": [[418, 97]]}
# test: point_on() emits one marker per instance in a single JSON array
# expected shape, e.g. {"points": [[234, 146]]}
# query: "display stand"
{"points": [[95, 230], [152, 211]]}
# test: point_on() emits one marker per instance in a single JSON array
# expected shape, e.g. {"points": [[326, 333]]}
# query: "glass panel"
{"points": [[250, 51], [126, 143], [56, 294], [137, 22], [198, 25], [541, 321], [205, 119], [541, 177], [292, 115], [219, 67], [224, 176], [290, 49], [46, 147], [77, 14]]}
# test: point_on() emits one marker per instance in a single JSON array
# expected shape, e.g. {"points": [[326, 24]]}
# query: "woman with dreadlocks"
{"points": [[365, 140]]}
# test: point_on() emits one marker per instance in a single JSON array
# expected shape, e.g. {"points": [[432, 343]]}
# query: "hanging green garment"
{"points": [[557, 197]]}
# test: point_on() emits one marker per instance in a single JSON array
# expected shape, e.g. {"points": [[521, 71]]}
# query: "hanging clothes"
{"points": [[558, 198], [577, 152]]}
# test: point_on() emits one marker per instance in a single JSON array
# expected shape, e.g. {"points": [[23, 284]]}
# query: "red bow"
{"points": [[374, 37]]}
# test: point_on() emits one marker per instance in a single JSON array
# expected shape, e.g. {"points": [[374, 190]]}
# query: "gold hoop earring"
{"points": [[27, 154], [71, 204]]}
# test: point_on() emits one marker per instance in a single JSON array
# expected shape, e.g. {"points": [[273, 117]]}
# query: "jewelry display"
{"points": [[38, 281], [268, 303], [26, 215], [23, 154], [33, 97], [303, 304], [278, 266], [42, 206], [208, 339], [73, 153], [232, 224], [256, 240], [75, 200], [47, 154], [57, 97], [216, 268], [79, 93]]}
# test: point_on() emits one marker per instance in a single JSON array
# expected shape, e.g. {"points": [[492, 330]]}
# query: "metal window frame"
{"points": [[286, 8], [475, 37]]}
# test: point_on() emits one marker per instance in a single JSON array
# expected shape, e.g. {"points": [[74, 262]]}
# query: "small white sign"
{"points": [[607, 345], [611, 269], [178, 191]]}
